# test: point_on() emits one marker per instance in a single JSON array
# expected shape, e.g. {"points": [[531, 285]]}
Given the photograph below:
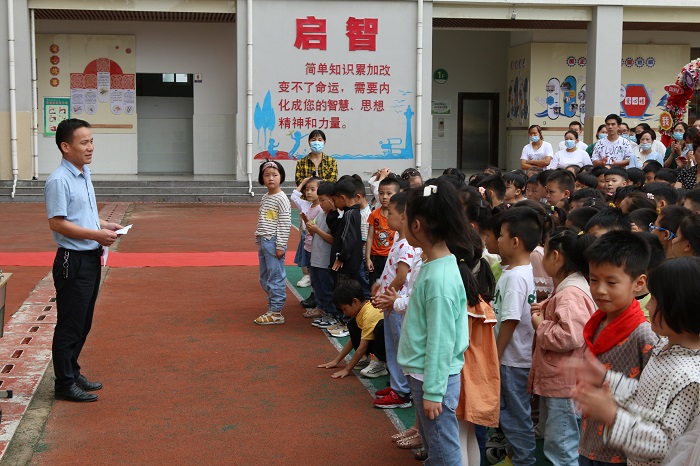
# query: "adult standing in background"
{"points": [[316, 163], [538, 153], [80, 235], [578, 127]]}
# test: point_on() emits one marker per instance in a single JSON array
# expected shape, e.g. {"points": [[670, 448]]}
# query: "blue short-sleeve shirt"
{"points": [[69, 193]]}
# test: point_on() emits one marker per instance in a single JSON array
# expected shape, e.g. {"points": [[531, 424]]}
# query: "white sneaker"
{"points": [[375, 369], [304, 282]]}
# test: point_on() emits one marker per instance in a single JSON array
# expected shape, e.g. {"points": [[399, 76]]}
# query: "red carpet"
{"points": [[147, 259]]}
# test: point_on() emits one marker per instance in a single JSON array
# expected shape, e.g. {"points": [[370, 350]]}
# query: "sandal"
{"points": [[270, 318], [314, 313], [406, 433], [409, 443]]}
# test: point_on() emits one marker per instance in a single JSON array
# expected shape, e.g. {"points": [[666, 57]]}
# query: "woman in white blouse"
{"points": [[538, 153], [572, 155]]}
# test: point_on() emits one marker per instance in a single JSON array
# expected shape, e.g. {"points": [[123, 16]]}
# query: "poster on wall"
{"points": [[518, 95], [55, 111], [334, 67], [559, 82], [97, 72]]}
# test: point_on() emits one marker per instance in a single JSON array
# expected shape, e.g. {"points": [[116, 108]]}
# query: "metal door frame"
{"points": [[494, 97]]}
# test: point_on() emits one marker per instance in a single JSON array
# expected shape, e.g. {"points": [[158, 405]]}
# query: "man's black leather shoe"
{"points": [[86, 385], [310, 302], [75, 393]]}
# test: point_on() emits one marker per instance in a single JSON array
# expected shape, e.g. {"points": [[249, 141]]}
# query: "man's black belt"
{"points": [[90, 252]]}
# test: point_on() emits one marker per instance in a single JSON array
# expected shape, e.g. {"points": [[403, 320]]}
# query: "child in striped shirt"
{"points": [[271, 236]]}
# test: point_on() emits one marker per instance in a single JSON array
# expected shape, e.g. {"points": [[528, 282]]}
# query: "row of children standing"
{"points": [[558, 327]]}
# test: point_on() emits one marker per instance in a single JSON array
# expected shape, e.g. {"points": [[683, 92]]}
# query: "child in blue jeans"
{"points": [[434, 334]]}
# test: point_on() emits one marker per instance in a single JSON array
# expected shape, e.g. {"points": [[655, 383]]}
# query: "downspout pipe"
{"points": [[249, 97], [419, 86], [13, 91], [35, 104]]}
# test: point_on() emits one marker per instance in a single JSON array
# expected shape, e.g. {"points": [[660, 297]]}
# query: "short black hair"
{"points": [[543, 176], [346, 291], [580, 217], [516, 179], [345, 188], [690, 231], [661, 190], [673, 285], [652, 166], [672, 216], [387, 181], [399, 201], [668, 175], [694, 197], [635, 175], [614, 116], [657, 254], [642, 217], [564, 179], [637, 200], [587, 179], [599, 170], [496, 184], [586, 193], [623, 192], [360, 187], [649, 131], [66, 129], [524, 224], [317, 132], [609, 218], [619, 171], [326, 188], [574, 169], [621, 249], [266, 164]]}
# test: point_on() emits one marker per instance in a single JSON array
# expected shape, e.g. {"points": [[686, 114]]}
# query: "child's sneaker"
{"points": [[340, 331], [304, 282], [392, 400], [270, 318], [383, 392], [375, 369], [363, 362], [324, 323]]}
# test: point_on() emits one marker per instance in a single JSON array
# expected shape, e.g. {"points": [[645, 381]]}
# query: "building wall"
{"points": [[476, 61], [208, 49]]}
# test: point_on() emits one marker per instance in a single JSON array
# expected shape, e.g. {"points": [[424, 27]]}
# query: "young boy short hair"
{"points": [[531, 188], [692, 200], [618, 333], [615, 177], [346, 252], [496, 186], [321, 275], [650, 169], [599, 172], [381, 237], [606, 220], [666, 175], [520, 233], [560, 185], [635, 176], [366, 329], [662, 193], [585, 180], [515, 187]]}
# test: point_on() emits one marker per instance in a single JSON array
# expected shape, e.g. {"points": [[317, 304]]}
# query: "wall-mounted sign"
{"points": [[441, 107], [56, 109], [440, 76]]}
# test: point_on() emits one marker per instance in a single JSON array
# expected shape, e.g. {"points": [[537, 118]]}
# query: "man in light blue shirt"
{"points": [[80, 235]]}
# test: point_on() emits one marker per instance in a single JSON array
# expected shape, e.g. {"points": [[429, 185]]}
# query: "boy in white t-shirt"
{"points": [[396, 274], [515, 292], [613, 150]]}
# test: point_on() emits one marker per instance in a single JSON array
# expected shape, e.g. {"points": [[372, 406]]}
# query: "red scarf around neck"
{"points": [[616, 331]]}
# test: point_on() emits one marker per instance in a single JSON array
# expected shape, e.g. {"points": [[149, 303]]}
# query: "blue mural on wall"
{"points": [[392, 146]]}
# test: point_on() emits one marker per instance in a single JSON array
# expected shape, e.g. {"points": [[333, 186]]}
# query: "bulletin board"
{"points": [[96, 74]]}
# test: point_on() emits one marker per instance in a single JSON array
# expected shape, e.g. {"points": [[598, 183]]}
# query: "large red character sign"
{"points": [[361, 32], [311, 33]]}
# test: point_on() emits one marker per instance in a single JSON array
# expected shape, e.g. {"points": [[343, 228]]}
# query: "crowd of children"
{"points": [[555, 301]]}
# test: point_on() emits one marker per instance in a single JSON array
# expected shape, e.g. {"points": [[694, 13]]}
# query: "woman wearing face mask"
{"points": [[644, 150], [316, 163], [538, 153], [572, 155], [677, 147], [602, 133], [689, 175]]}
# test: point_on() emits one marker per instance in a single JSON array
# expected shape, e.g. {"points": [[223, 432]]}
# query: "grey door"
{"points": [[477, 131]]}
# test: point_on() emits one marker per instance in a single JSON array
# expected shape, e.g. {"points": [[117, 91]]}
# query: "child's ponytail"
{"points": [[475, 271], [571, 244], [439, 209]]}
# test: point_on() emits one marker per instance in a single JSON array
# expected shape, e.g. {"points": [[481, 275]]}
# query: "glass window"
{"points": [[168, 77]]}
